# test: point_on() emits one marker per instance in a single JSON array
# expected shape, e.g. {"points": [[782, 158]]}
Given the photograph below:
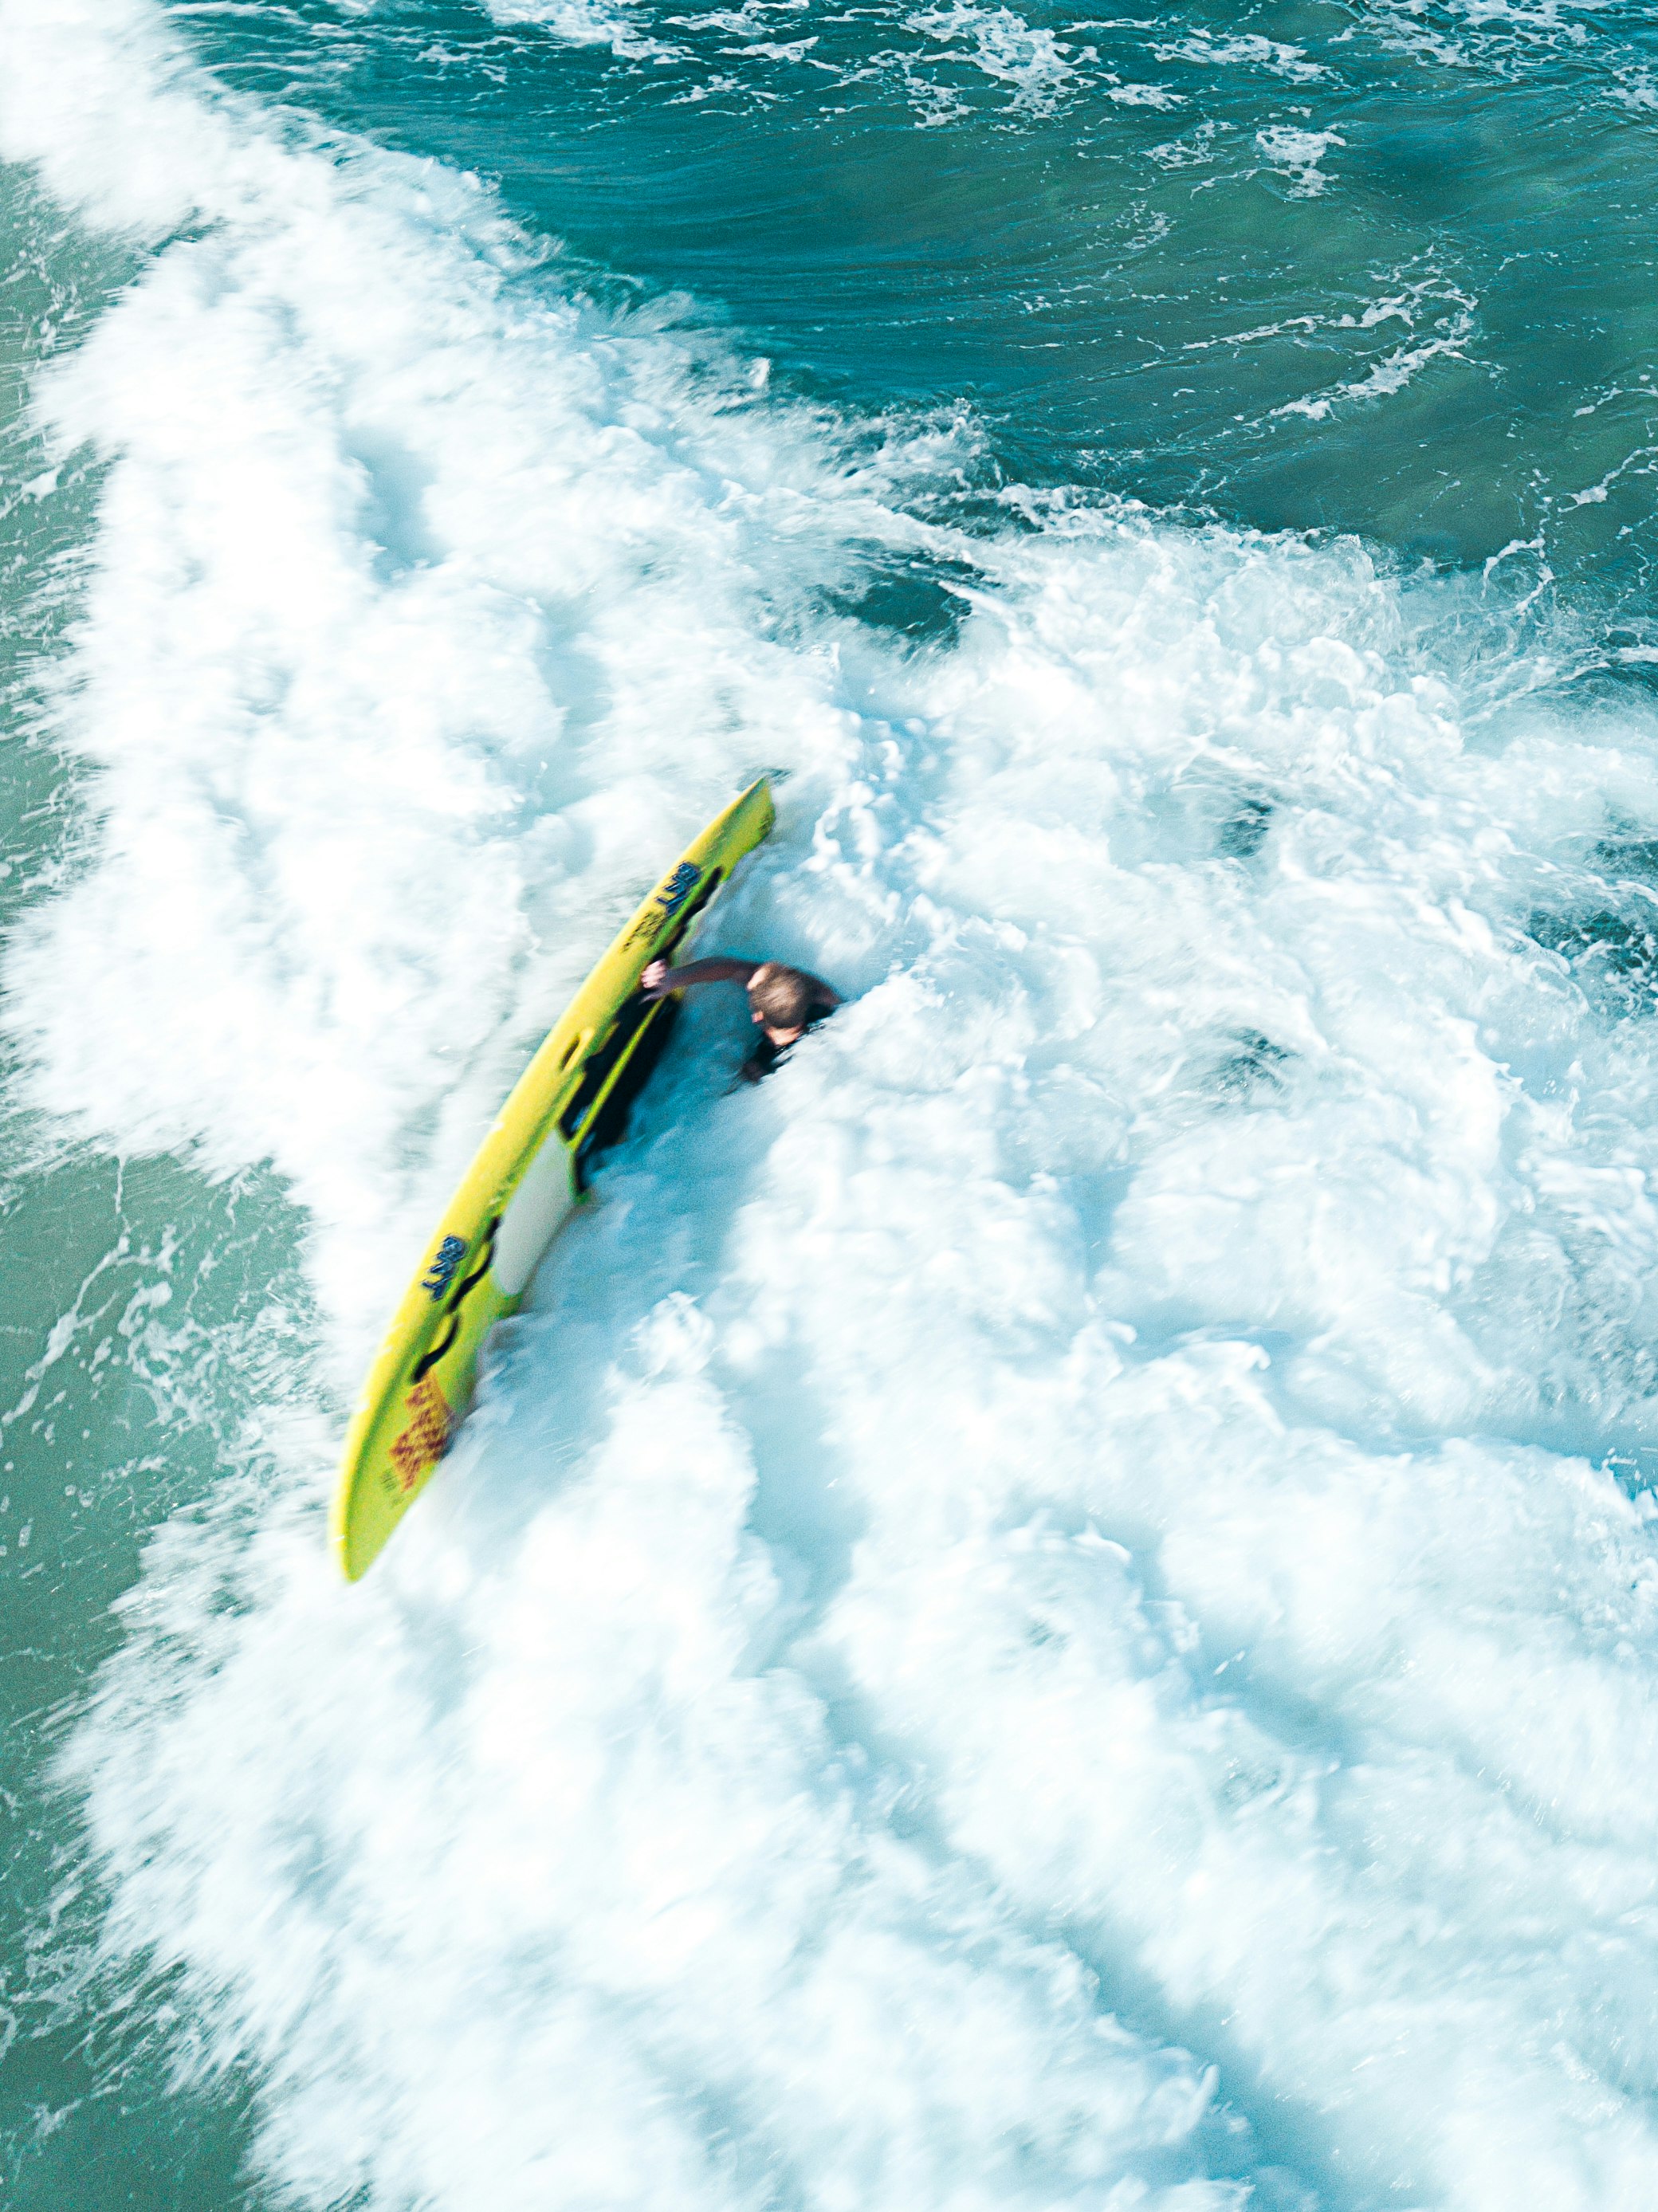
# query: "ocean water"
{"points": [[1058, 1607]]}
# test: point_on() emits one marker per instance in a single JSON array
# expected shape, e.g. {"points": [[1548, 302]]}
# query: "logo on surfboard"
{"points": [[677, 889], [667, 901], [424, 1439], [447, 1257]]}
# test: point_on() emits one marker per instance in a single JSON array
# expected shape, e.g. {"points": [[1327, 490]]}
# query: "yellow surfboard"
{"points": [[530, 1173]]}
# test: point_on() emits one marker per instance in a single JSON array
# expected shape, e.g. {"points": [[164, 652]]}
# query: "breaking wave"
{"points": [[1057, 1608]]}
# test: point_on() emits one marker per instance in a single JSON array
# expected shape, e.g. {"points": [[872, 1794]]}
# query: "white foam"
{"points": [[1002, 46], [1247, 50], [1144, 95], [1450, 316], [588, 23], [1296, 154], [1634, 88], [1193, 151], [365, 622], [1498, 35], [1028, 1619]]}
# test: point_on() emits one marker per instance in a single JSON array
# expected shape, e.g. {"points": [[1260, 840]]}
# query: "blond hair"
{"points": [[783, 997]]}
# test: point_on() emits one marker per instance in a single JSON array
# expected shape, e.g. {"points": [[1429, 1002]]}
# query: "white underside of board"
{"points": [[542, 1200]]}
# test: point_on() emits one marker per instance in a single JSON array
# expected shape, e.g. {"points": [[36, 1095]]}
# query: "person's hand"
{"points": [[654, 979]]}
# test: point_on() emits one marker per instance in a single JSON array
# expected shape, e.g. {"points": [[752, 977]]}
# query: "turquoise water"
{"points": [[1181, 257], [1059, 1606]]}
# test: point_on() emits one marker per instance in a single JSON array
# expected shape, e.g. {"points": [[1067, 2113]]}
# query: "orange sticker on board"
{"points": [[423, 1441]]}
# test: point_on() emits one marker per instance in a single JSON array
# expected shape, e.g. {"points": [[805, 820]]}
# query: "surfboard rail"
{"points": [[527, 1177]]}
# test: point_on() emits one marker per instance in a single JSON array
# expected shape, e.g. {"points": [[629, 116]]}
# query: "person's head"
{"points": [[781, 1000]]}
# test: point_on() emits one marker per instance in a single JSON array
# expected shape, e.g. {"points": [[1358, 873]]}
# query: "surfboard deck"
{"points": [[529, 1175]]}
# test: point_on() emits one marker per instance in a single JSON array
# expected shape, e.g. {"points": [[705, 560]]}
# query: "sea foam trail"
{"points": [[1028, 1619], [422, 606]]}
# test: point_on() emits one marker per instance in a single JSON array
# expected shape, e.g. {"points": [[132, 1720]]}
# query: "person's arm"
{"points": [[658, 979]]}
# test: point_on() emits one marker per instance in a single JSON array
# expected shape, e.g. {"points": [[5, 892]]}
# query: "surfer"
{"points": [[783, 1002]]}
